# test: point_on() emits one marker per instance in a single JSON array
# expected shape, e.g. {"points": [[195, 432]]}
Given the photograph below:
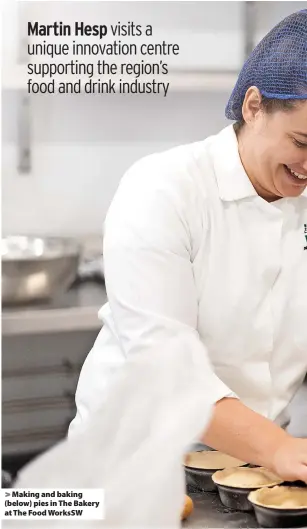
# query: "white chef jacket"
{"points": [[189, 245]]}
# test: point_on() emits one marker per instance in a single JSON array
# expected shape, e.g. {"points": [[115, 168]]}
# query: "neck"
{"points": [[250, 165]]}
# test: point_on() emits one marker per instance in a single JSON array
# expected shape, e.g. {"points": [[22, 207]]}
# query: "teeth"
{"points": [[298, 175]]}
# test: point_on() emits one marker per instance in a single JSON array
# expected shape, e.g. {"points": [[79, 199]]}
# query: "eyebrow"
{"points": [[300, 133]]}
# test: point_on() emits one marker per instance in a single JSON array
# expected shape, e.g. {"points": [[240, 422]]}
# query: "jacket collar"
{"points": [[232, 180]]}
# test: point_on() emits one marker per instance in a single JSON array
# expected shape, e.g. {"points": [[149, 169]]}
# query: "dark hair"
{"points": [[270, 106]]}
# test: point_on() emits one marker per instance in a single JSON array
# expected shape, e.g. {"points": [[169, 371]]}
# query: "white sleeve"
{"points": [[147, 261]]}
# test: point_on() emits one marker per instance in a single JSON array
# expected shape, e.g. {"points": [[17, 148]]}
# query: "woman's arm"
{"points": [[244, 434], [152, 229]]}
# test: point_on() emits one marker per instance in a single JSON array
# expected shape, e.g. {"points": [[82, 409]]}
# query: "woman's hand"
{"points": [[290, 459], [246, 435]]}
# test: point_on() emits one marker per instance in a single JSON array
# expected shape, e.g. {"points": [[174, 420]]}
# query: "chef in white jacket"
{"points": [[211, 238]]}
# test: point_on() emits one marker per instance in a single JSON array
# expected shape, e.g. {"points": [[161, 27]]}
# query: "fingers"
{"points": [[302, 473]]}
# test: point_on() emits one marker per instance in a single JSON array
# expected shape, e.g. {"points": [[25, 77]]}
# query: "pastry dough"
{"points": [[246, 478], [209, 460], [280, 497], [188, 507]]}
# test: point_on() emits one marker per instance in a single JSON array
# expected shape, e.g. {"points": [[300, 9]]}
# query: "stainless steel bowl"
{"points": [[37, 268]]}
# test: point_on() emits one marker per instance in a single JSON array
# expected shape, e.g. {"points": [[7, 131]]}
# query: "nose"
{"points": [[304, 165]]}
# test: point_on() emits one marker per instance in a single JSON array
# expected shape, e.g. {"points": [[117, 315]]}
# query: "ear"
{"points": [[251, 104]]}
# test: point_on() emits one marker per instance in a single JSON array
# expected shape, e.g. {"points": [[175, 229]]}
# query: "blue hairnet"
{"points": [[277, 66]]}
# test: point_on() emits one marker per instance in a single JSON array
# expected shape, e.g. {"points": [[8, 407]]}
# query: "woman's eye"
{"points": [[299, 144]]}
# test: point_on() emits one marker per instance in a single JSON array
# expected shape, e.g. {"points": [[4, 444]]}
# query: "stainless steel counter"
{"points": [[209, 513], [76, 309]]}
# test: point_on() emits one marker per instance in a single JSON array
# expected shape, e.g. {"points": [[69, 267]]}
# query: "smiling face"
{"points": [[273, 147]]}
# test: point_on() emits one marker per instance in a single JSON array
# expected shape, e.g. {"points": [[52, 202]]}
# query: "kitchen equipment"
{"points": [[235, 495], [267, 517], [200, 479], [91, 260], [37, 268], [235, 498], [274, 516]]}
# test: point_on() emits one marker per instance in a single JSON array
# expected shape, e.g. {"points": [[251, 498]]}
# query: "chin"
{"points": [[291, 192], [286, 189]]}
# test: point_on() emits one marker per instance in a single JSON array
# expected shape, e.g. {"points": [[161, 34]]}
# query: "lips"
{"points": [[297, 178]]}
